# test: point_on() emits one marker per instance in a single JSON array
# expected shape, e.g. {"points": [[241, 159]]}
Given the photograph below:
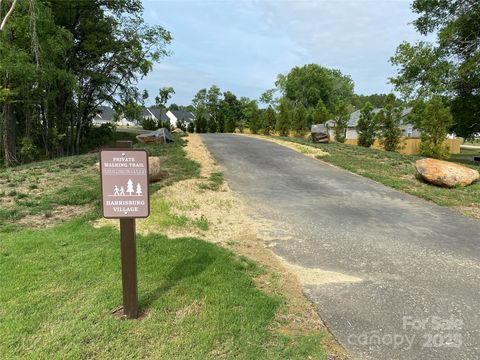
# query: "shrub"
{"points": [[389, 119], [149, 124], [367, 126], [268, 121], [433, 120], [341, 117]]}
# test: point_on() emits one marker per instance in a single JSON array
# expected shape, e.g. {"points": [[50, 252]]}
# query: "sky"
{"points": [[242, 45]]}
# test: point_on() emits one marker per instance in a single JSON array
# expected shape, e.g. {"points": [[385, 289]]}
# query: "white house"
{"points": [[408, 130], [175, 115], [104, 116]]}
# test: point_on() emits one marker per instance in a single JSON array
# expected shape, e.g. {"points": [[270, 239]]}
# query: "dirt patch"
{"points": [[472, 211], [60, 214], [304, 149]]}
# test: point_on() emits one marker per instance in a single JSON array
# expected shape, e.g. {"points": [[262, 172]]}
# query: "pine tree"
{"points": [[284, 117], [433, 120], [320, 113], [130, 187], [139, 189], [367, 126], [389, 119], [341, 117], [300, 119], [268, 121]]}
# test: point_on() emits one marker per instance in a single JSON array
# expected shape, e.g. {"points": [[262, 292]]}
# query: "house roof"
{"points": [[104, 113], [186, 116], [159, 113], [355, 116]]}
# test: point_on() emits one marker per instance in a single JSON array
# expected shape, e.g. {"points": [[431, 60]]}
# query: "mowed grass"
{"points": [[60, 286], [43, 188], [397, 171]]}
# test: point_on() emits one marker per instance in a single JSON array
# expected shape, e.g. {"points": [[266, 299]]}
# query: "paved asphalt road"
{"points": [[419, 263]]}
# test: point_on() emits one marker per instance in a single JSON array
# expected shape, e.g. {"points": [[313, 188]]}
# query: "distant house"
{"points": [[151, 113], [408, 130], [104, 116], [155, 114], [176, 115]]}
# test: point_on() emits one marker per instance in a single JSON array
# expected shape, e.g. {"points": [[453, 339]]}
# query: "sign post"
{"points": [[125, 196]]}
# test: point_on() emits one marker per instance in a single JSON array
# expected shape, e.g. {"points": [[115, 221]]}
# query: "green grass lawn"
{"points": [[59, 286], [398, 171]]}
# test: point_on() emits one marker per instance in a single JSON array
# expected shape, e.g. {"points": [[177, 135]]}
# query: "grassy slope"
{"points": [[59, 287], [397, 171]]}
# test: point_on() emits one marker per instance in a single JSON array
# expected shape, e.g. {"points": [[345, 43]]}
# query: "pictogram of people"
{"points": [[130, 190]]}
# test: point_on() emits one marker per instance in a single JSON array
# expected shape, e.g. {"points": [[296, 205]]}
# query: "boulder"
{"points": [[160, 136], [154, 168], [445, 173]]}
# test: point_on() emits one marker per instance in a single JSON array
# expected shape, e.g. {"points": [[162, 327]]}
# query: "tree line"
{"points": [[59, 61]]}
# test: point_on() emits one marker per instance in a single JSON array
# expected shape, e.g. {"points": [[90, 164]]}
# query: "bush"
{"points": [[191, 127], [389, 119], [96, 137], [433, 120], [367, 126], [149, 124]]}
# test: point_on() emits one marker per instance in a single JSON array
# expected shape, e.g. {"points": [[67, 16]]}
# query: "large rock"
{"points": [[160, 136], [445, 174], [155, 171]]}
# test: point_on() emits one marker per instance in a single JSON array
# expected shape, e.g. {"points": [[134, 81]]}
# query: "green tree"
{"points": [[201, 125], [449, 67], [320, 113], [267, 97], [232, 111], [252, 116], [164, 94], [367, 126], [300, 119], [341, 116], [191, 127], [284, 119], [268, 121], [433, 119], [389, 120], [214, 108], [310, 83]]}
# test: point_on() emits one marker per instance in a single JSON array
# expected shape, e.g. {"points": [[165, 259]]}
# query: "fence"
{"points": [[410, 146]]}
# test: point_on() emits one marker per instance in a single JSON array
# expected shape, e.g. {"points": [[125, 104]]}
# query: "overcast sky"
{"points": [[242, 46]]}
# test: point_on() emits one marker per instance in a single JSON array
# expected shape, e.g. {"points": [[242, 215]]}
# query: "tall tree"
{"points": [[164, 94], [341, 117], [450, 67], [300, 119], [389, 120], [113, 48], [310, 83], [216, 119], [367, 126], [433, 119], [251, 114], [284, 119], [320, 113], [232, 111], [268, 121]]}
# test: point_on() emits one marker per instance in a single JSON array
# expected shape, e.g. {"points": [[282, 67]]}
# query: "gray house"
{"points": [[175, 115], [408, 130], [104, 116]]}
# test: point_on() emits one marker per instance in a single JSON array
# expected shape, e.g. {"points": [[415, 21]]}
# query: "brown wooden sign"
{"points": [[124, 179]]}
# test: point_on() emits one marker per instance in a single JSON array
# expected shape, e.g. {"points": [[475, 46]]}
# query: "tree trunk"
{"points": [[78, 137], [9, 136]]}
